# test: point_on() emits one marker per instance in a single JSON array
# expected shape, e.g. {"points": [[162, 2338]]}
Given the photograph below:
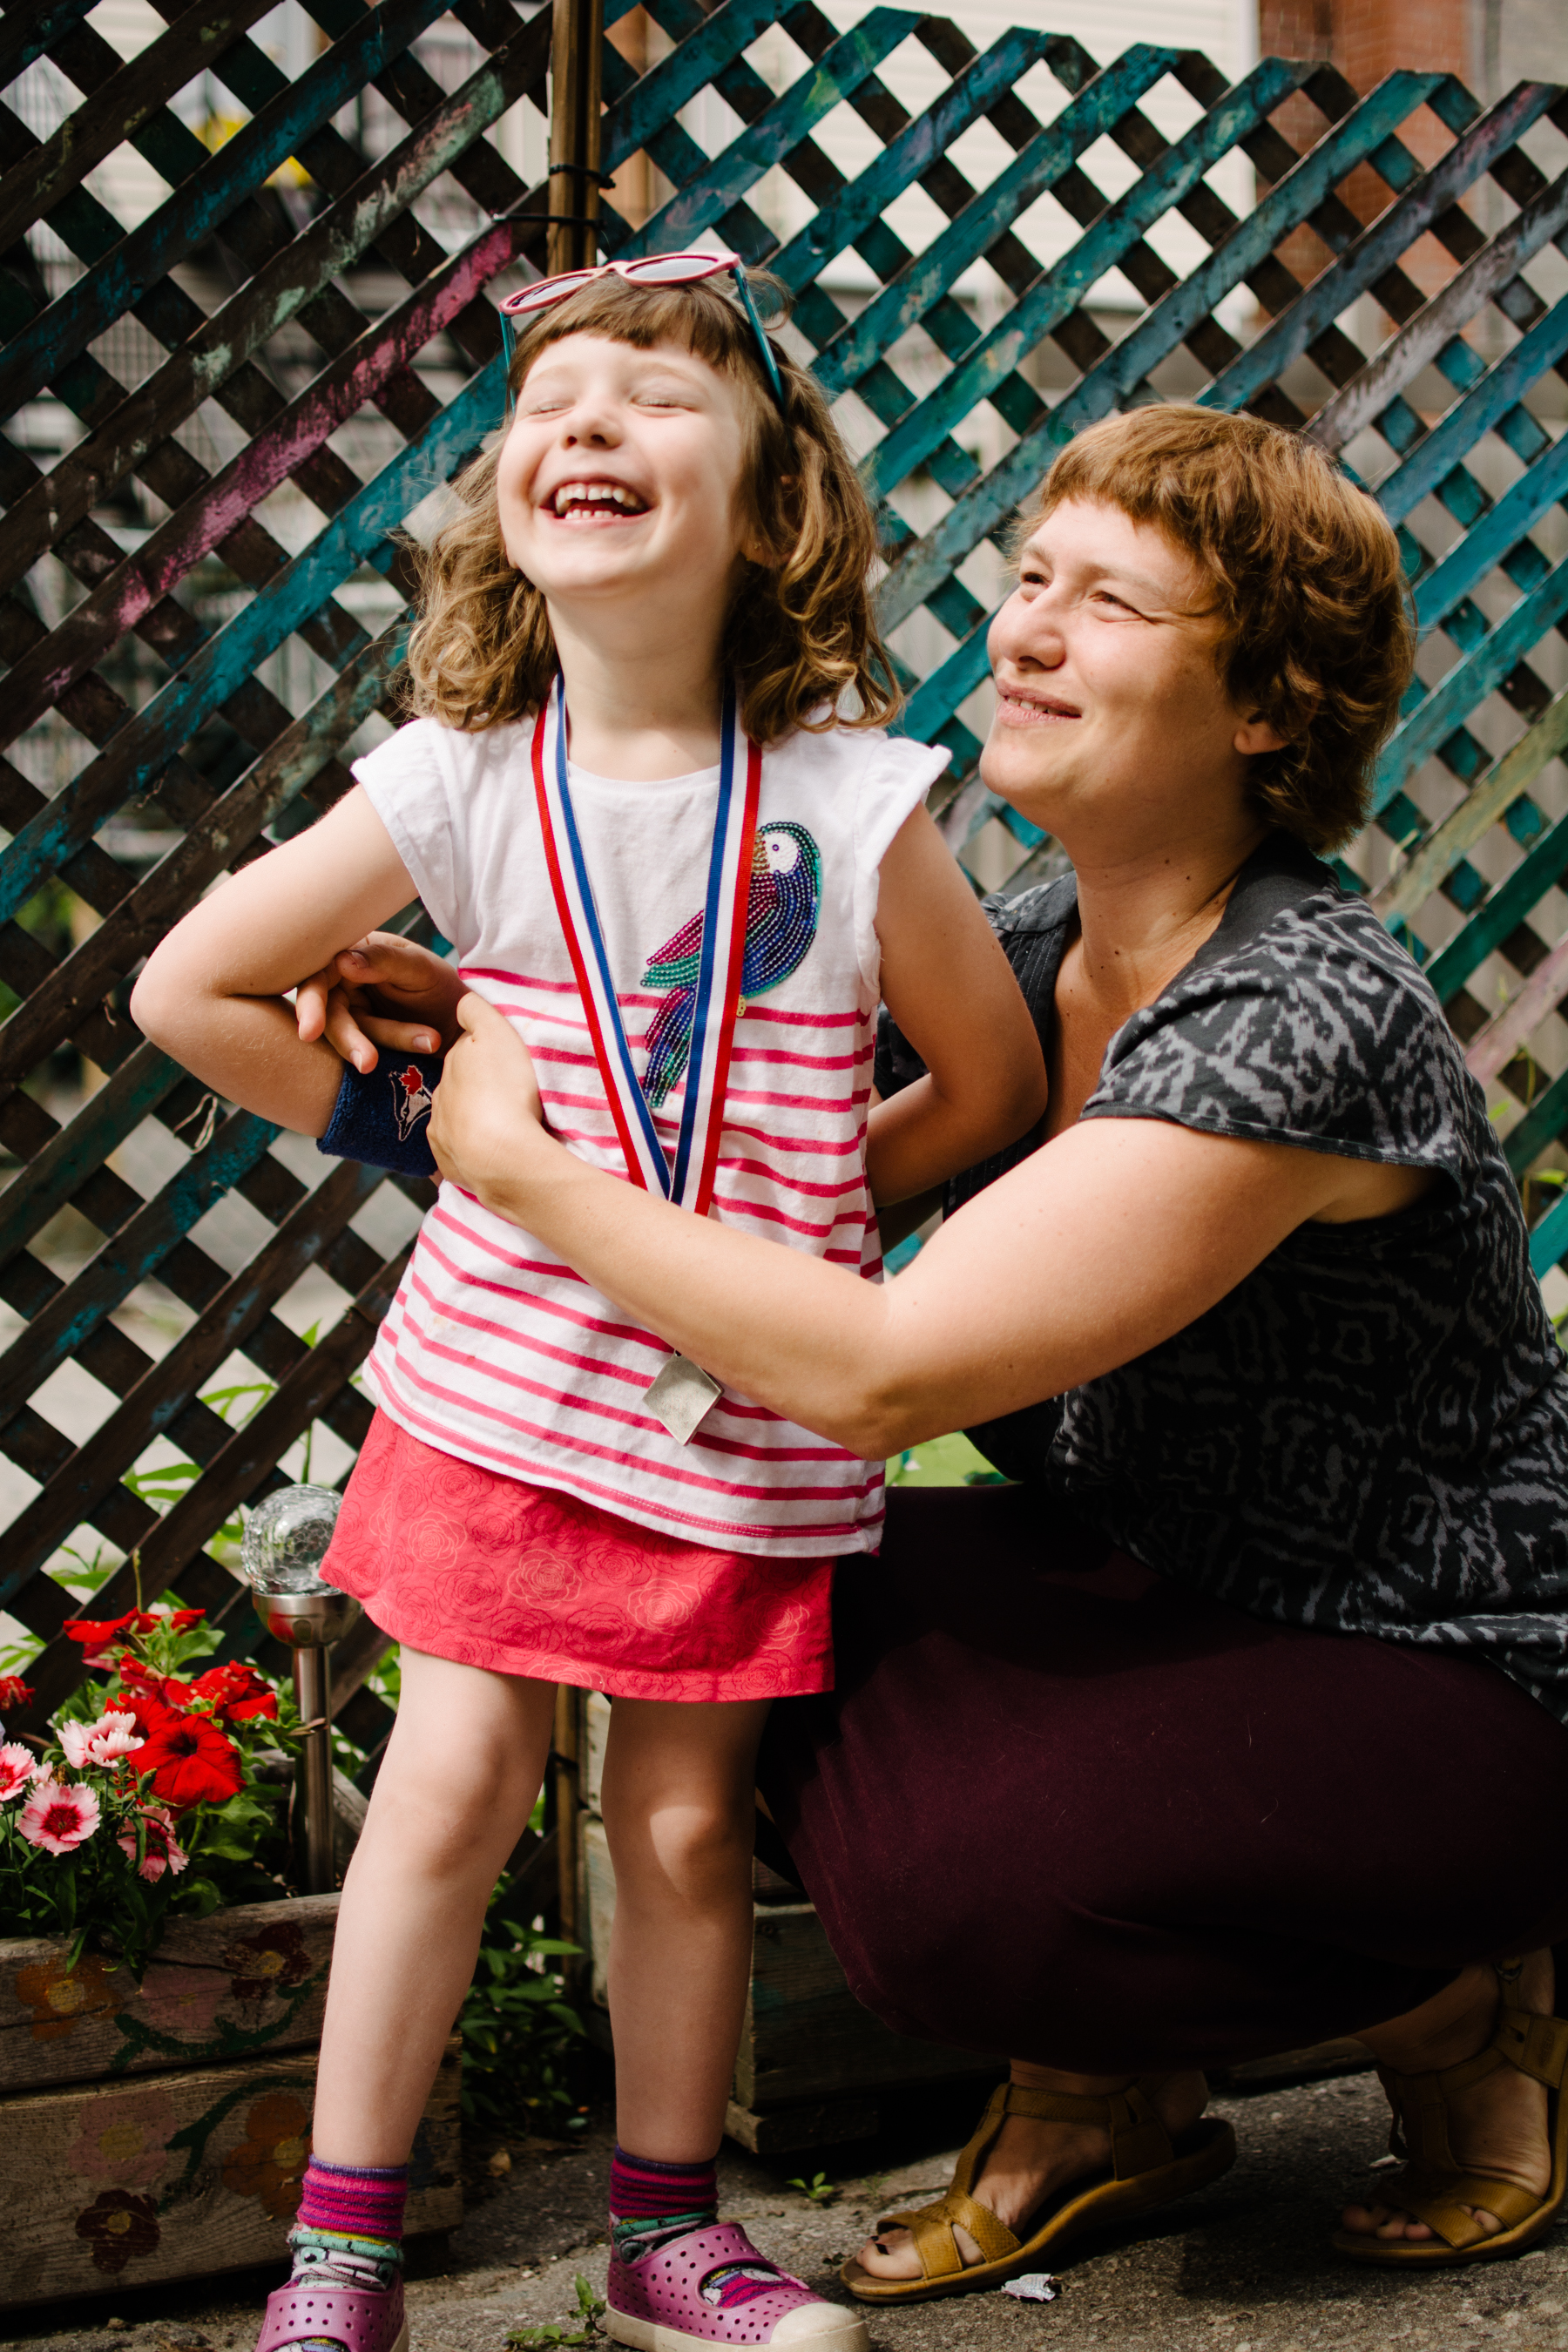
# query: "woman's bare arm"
{"points": [[1107, 1241], [212, 994], [951, 991]]}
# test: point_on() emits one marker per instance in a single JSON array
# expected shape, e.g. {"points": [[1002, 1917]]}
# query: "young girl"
{"points": [[650, 800]]}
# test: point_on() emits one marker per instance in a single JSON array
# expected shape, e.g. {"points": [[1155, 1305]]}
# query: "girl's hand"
{"points": [[488, 1117], [382, 991]]}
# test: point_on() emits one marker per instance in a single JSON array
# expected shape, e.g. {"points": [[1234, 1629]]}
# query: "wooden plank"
{"points": [[231, 1477], [925, 562], [806, 2037], [1432, 719], [72, 320], [207, 848], [1477, 151], [109, 2187], [152, 1405], [144, 1079], [132, 1253], [117, 112], [1489, 799], [247, 1981], [786, 2130], [766, 141], [1479, 283], [359, 373], [273, 295], [27, 33], [362, 531]]}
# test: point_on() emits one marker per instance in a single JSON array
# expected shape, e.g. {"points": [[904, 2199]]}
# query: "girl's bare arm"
{"points": [[212, 994], [951, 991]]}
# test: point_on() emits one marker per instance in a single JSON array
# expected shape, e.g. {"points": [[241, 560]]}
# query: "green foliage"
{"points": [[942, 1462], [591, 2310], [521, 2035], [819, 2189]]}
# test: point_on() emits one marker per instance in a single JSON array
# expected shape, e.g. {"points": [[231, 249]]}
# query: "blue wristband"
{"points": [[382, 1119]]}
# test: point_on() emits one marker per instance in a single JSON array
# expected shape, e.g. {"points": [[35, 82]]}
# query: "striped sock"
{"points": [[349, 2231], [652, 2201]]}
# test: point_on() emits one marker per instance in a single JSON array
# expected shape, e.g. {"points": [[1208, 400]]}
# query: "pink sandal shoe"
{"points": [[360, 2319], [713, 2286]]}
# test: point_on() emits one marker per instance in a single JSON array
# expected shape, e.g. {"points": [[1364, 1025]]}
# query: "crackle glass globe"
{"points": [[286, 1540]]}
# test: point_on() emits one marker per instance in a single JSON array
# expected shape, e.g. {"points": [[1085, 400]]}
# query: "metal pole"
{"points": [[312, 1696], [568, 1817], [577, 35]]}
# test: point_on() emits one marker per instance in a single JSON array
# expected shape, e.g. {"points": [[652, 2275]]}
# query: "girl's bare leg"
{"points": [[462, 1770], [679, 1798]]}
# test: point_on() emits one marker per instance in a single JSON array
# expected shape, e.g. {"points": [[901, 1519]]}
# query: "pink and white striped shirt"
{"points": [[494, 1350]]}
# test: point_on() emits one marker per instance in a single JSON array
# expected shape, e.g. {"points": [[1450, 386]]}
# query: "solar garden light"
{"points": [[286, 1540]]}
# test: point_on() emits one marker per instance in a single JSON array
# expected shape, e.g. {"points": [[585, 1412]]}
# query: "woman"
{"points": [[1238, 1722]]}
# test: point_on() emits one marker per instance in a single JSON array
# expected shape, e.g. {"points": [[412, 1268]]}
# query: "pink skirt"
{"points": [[490, 1572]]}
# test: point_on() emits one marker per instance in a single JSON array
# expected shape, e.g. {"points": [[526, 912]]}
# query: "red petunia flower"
{"points": [[97, 1633], [192, 1763], [146, 1714], [13, 1691], [236, 1691]]}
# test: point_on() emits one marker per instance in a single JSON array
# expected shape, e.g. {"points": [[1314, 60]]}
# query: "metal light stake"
{"points": [[286, 1540]]}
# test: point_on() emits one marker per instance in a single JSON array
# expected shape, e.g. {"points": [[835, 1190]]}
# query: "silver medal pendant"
{"points": [[679, 1397]]}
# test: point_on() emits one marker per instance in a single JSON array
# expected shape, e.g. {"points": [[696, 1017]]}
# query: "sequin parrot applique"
{"points": [[782, 908]]}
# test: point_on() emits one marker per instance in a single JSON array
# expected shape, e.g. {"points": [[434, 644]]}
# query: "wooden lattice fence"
{"points": [[256, 383]]}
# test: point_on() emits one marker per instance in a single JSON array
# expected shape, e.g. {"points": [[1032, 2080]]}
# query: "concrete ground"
{"points": [[1243, 2267]]}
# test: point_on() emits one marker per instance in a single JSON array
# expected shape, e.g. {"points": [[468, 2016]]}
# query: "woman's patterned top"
{"points": [[1369, 1435]]}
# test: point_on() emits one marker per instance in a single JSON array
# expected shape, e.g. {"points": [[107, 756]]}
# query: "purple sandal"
{"points": [[360, 2319], [713, 2286]]}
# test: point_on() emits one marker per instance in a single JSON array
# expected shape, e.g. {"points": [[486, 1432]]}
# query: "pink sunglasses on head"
{"points": [[650, 269]]}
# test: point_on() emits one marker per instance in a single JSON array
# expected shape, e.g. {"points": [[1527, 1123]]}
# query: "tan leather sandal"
{"points": [[1147, 2168], [1433, 2189]]}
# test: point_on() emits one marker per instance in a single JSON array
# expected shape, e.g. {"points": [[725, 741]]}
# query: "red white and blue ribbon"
{"points": [[691, 1182]]}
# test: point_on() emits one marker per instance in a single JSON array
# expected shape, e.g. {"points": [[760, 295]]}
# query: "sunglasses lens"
{"points": [[677, 268], [548, 290]]}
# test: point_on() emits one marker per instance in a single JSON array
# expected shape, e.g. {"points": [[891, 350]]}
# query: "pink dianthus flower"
{"points": [[57, 1817]]}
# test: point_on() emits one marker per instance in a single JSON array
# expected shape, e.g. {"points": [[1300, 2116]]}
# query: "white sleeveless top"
{"points": [[494, 1350]]}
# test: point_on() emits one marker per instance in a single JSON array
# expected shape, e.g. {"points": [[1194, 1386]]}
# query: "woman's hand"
{"points": [[383, 990], [488, 1117]]}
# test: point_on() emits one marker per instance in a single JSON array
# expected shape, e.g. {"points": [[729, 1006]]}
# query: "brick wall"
{"points": [[1367, 39]]}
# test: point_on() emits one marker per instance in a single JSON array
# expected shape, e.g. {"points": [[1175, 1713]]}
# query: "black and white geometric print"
{"points": [[1369, 1435]]}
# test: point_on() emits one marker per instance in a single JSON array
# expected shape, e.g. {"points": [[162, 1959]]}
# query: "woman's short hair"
{"points": [[1316, 632], [801, 639]]}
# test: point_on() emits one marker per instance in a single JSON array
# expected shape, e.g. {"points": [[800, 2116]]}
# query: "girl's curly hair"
{"points": [[801, 636], [1316, 633]]}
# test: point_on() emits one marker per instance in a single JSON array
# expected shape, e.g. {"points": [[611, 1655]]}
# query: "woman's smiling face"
{"points": [[1108, 701], [622, 471]]}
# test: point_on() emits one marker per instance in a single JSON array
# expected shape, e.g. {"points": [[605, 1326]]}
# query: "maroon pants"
{"points": [[1061, 1809]]}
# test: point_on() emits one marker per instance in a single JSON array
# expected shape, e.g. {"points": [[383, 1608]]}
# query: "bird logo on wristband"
{"points": [[412, 1099]]}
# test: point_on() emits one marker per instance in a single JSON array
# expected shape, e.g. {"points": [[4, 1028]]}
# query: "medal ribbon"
{"points": [[714, 1015]]}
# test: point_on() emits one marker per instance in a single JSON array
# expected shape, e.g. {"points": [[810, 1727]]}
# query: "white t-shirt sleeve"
{"points": [[894, 782], [410, 782]]}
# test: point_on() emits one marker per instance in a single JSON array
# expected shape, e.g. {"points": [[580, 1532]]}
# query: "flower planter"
{"points": [[159, 2130]]}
